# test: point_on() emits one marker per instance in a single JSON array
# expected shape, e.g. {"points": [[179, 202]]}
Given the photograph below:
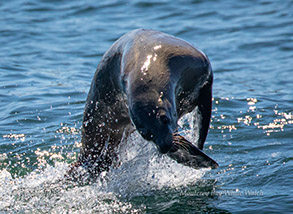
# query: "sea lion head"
{"points": [[155, 118]]}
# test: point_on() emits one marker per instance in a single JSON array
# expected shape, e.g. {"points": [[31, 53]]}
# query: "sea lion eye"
{"points": [[164, 119]]}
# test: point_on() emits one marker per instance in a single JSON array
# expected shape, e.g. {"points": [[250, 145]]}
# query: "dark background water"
{"points": [[49, 51]]}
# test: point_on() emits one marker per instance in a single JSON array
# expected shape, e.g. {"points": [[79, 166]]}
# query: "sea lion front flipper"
{"points": [[189, 155], [204, 110]]}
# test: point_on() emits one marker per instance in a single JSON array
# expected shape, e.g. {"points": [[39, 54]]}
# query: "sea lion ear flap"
{"points": [[187, 154]]}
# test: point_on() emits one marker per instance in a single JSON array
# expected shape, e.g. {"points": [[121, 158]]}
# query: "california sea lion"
{"points": [[150, 79]]}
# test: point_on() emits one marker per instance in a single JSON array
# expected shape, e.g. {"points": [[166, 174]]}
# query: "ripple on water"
{"points": [[48, 54]]}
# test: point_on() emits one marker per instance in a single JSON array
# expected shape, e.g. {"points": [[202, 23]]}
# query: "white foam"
{"points": [[142, 170], [47, 192]]}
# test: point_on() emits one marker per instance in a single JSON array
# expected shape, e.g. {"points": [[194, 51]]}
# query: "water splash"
{"points": [[47, 192], [142, 171]]}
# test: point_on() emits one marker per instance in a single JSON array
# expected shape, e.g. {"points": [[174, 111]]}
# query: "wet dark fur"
{"points": [[128, 89]]}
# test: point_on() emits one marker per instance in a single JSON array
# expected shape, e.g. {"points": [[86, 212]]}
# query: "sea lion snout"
{"points": [[166, 124], [164, 144]]}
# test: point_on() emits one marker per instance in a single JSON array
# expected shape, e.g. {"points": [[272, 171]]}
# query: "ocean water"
{"points": [[49, 51]]}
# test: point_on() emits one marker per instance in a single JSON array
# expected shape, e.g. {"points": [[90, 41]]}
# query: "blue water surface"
{"points": [[49, 51]]}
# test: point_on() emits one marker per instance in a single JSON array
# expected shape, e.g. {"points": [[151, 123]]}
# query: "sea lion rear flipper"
{"points": [[187, 154]]}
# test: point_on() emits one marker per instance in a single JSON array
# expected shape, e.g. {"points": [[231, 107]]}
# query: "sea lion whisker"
{"points": [[177, 132], [178, 143]]}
